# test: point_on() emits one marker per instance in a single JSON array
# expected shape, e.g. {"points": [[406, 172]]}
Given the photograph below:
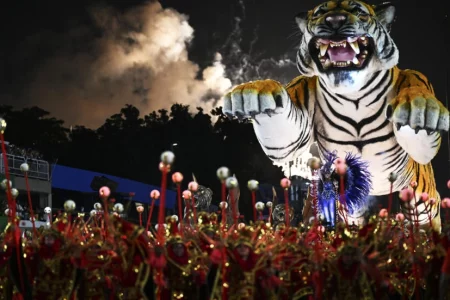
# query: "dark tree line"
{"points": [[129, 145]]}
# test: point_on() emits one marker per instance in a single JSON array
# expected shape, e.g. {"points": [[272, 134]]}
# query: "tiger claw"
{"points": [[253, 117], [416, 130], [398, 126]]}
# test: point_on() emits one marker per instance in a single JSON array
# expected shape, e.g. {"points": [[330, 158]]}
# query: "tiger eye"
{"points": [[364, 18]]}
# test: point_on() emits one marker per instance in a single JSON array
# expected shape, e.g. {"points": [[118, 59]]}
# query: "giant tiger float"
{"points": [[335, 254], [352, 98]]}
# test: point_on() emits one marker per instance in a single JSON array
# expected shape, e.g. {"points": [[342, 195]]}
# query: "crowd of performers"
{"points": [[209, 256], [202, 255], [107, 257]]}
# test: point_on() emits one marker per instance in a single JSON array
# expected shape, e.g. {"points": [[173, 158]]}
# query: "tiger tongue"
{"points": [[341, 53]]}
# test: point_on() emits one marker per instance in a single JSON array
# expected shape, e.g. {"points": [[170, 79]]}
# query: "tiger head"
{"points": [[279, 212], [202, 198], [345, 41]]}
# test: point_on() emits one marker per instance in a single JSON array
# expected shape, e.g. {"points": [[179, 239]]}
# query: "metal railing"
{"points": [[39, 169]]}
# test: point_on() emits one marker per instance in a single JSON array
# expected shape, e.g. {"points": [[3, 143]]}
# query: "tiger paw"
{"points": [[249, 99], [418, 109]]}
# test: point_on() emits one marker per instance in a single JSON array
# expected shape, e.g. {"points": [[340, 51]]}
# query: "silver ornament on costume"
{"points": [[223, 173], [69, 205], [4, 184], [231, 183], [167, 157], [118, 207], [24, 167], [253, 185], [259, 206], [14, 193]]}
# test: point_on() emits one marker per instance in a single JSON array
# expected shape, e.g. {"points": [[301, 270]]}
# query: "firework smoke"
{"points": [[139, 57]]}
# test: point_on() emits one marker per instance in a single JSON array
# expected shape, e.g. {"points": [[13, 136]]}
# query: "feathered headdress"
{"points": [[358, 182]]}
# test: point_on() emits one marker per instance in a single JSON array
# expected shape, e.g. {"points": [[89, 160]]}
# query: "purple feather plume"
{"points": [[358, 182]]}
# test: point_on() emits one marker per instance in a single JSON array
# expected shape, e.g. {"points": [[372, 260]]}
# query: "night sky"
{"points": [[84, 60]]}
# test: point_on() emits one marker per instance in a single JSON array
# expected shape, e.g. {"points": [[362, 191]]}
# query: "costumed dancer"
{"points": [[129, 270], [328, 191], [355, 272], [343, 189], [248, 269], [182, 276], [93, 261], [208, 238], [293, 265], [311, 205], [50, 264]]}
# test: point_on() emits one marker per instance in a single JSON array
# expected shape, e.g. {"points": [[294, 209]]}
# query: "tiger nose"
{"points": [[336, 21]]}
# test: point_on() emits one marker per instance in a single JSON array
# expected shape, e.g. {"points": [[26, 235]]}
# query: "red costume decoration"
{"points": [[183, 276]]}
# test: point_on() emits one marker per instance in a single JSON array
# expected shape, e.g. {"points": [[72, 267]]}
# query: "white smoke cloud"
{"points": [[243, 66], [139, 57]]}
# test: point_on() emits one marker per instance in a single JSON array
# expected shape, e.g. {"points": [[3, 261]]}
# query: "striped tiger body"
{"points": [[360, 126], [351, 97]]}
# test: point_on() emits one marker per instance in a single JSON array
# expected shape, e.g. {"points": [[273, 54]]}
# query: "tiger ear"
{"points": [[385, 13], [302, 19]]}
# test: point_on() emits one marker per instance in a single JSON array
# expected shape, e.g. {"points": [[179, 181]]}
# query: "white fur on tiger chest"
{"points": [[342, 126]]}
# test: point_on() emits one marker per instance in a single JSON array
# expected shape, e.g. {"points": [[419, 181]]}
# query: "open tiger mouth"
{"points": [[349, 52]]}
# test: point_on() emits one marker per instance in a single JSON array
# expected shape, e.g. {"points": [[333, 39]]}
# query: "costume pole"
{"points": [[232, 185], [193, 187], [253, 186], [286, 184], [154, 195], [177, 178], [167, 159]]}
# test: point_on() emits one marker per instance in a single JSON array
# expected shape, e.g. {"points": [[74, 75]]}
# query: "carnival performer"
{"points": [[292, 264], [129, 269], [94, 261], [50, 264], [183, 277], [249, 275], [208, 238]]}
